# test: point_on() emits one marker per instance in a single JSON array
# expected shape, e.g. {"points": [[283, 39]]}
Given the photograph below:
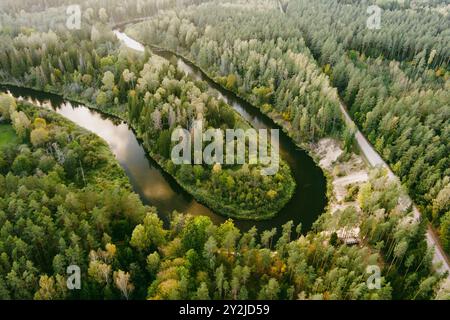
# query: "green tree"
{"points": [[270, 291], [150, 234], [153, 261], [108, 80], [39, 137], [202, 292], [195, 233], [102, 99], [7, 105], [21, 123], [164, 144]]}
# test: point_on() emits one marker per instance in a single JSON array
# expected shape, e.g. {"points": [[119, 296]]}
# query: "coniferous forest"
{"points": [[363, 175]]}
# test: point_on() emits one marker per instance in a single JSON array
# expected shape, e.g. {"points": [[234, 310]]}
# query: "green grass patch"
{"points": [[7, 135]]}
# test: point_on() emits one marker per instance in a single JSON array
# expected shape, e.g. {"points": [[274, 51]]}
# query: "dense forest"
{"points": [[64, 199], [155, 97], [62, 195], [396, 85], [391, 81], [277, 74]]}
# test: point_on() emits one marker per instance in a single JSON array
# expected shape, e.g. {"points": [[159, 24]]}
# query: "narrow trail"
{"points": [[375, 160]]}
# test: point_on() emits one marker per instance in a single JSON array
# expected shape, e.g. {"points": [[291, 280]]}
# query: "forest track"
{"points": [[375, 160]]}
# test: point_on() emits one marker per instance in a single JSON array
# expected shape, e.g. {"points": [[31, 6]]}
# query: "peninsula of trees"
{"points": [[154, 97], [394, 81]]}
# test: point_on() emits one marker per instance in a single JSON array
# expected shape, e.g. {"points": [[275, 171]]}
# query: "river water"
{"points": [[158, 189]]}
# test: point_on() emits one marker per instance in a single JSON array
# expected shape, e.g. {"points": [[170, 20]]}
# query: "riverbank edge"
{"points": [[307, 147], [111, 163], [201, 196]]}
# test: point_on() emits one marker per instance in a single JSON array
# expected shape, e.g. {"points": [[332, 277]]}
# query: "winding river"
{"points": [[157, 188]]}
